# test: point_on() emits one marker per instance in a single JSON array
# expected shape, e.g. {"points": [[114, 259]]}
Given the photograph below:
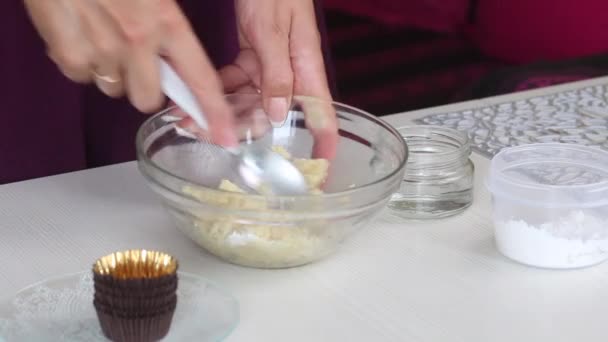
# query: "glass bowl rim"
{"points": [[141, 157]]}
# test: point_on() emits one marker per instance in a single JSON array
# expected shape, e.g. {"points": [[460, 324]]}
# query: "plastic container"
{"points": [[438, 179], [551, 204]]}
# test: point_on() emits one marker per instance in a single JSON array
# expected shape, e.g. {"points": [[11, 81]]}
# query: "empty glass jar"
{"points": [[438, 179]]}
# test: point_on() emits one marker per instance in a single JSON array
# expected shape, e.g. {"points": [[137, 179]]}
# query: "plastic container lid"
{"points": [[551, 175]]}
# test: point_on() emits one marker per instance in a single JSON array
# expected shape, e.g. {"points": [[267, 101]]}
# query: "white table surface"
{"points": [[395, 281]]}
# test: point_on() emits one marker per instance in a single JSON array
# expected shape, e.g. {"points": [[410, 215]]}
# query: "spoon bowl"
{"points": [[258, 169], [264, 171]]}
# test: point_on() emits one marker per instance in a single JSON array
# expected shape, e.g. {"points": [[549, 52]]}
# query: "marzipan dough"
{"points": [[281, 243]]}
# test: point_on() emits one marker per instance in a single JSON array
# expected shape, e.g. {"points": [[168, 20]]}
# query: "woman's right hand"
{"points": [[116, 44]]}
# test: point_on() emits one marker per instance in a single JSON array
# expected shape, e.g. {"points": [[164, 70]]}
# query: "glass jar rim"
{"points": [[457, 142]]}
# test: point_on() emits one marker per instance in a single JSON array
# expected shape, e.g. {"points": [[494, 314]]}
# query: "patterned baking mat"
{"points": [[578, 116]]}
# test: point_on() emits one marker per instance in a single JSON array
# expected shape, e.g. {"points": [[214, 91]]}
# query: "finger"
{"points": [[248, 128], [143, 80], [250, 121], [269, 37], [321, 120], [244, 70], [106, 42], [325, 138], [108, 80], [59, 27], [307, 57], [175, 111], [191, 128], [184, 52], [76, 67], [233, 78], [248, 89], [137, 24], [311, 80], [253, 125]]}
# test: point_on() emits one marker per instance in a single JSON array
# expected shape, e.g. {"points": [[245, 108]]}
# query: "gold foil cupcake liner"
{"points": [[136, 264]]}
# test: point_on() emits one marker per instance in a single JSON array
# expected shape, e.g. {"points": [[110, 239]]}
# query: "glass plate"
{"points": [[61, 309]]}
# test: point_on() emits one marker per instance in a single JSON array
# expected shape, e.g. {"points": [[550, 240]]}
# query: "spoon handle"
{"points": [[177, 90]]}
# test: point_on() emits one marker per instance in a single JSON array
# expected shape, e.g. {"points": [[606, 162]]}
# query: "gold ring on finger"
{"points": [[105, 78]]}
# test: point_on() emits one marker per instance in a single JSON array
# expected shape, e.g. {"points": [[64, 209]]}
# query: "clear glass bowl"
{"points": [[273, 232]]}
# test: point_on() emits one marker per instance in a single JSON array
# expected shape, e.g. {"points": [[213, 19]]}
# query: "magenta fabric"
{"points": [[522, 31], [434, 15]]}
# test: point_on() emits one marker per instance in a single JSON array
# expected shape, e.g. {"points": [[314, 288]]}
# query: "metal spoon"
{"points": [[260, 169]]}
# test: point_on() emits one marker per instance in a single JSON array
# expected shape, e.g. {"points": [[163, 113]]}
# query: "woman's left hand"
{"points": [[281, 55]]}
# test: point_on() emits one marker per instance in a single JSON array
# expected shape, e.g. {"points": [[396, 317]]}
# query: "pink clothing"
{"points": [[523, 31], [433, 15], [515, 31]]}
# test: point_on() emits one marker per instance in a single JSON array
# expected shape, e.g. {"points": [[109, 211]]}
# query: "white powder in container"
{"points": [[571, 241]]}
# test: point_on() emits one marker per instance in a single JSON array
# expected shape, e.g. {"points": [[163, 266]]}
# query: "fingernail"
{"points": [[230, 140], [277, 111]]}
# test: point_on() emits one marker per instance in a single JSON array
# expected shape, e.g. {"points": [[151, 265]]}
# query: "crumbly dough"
{"points": [[280, 243]]}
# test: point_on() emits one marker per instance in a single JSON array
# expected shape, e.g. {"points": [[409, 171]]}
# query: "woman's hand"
{"points": [[281, 55], [116, 44]]}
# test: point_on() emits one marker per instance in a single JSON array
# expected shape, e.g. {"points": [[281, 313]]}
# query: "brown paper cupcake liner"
{"points": [[134, 312], [135, 329], [132, 305], [121, 298], [151, 291]]}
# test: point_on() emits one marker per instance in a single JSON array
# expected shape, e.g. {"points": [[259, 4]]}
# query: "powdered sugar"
{"points": [[576, 239]]}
